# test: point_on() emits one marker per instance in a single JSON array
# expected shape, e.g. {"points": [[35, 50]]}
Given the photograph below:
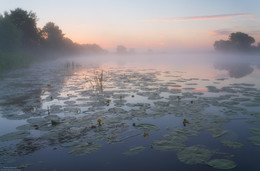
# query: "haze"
{"points": [[170, 25]]}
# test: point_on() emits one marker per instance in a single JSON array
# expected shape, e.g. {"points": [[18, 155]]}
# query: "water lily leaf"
{"points": [[166, 145], [220, 134], [84, 148], [194, 155], [135, 150], [255, 140], [232, 144], [255, 130], [147, 127], [14, 136], [222, 164]]}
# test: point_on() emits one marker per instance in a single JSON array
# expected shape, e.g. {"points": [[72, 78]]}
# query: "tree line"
{"points": [[237, 42], [20, 37]]}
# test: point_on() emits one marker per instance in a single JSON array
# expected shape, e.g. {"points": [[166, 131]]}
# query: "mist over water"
{"points": [[71, 106]]}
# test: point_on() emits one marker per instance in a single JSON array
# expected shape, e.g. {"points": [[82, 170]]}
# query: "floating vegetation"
{"points": [[145, 134], [22, 166], [212, 89], [135, 150], [255, 140], [147, 127], [66, 115], [222, 164], [14, 136], [167, 145], [99, 122], [84, 148], [194, 155], [231, 144], [220, 133], [185, 121], [255, 130]]}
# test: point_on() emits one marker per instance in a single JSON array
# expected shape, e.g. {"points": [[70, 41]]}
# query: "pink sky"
{"points": [[158, 25]]}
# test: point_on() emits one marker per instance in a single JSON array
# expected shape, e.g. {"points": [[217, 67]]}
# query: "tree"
{"points": [[26, 23], [223, 45], [53, 36], [237, 42], [241, 40], [121, 49], [9, 34]]}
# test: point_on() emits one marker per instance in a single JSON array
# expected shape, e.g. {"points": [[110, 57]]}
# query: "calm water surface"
{"points": [[156, 113]]}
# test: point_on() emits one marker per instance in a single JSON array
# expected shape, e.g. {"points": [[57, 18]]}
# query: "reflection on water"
{"points": [[163, 115], [235, 70]]}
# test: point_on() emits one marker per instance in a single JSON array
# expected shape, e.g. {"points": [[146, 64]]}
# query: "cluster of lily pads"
{"points": [[82, 116]]}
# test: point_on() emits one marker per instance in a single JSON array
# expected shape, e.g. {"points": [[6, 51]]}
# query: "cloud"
{"points": [[221, 32], [227, 32], [199, 18]]}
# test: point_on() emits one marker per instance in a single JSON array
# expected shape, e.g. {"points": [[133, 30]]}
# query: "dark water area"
{"points": [[163, 112]]}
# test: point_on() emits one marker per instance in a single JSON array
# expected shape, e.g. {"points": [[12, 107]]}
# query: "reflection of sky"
{"points": [[114, 22]]}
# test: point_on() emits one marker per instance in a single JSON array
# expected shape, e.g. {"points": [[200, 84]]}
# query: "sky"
{"points": [[160, 25]]}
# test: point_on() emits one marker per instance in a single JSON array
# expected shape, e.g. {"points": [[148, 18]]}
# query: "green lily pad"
{"points": [[84, 148], [220, 134], [14, 135], [222, 164], [194, 155], [255, 130], [255, 140], [135, 150], [166, 145], [232, 144], [147, 127]]}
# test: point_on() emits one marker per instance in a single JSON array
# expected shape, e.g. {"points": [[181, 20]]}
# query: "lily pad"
{"points": [[222, 164], [255, 140], [232, 144], [135, 150], [167, 145], [147, 127], [84, 148], [14, 136], [220, 134], [255, 130], [194, 155]]}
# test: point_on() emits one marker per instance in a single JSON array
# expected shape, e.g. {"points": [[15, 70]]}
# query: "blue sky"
{"points": [[142, 24]]}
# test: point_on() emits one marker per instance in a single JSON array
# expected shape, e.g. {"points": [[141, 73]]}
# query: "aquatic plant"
{"points": [[147, 127], [135, 150], [145, 134], [222, 164], [96, 81], [185, 121], [194, 155], [99, 122]]}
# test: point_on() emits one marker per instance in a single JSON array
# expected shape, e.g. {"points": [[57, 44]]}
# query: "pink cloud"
{"points": [[220, 32], [199, 18]]}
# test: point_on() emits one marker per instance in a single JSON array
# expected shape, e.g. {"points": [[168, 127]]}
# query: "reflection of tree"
{"points": [[235, 70]]}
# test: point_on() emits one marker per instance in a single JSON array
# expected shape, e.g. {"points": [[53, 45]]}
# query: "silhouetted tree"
{"points": [[10, 36], [223, 45], [53, 36], [121, 49], [237, 42], [241, 40], [26, 23]]}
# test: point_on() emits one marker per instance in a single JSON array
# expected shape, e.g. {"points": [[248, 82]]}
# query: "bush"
{"points": [[12, 60]]}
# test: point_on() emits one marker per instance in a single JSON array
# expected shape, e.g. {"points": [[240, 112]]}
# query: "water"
{"points": [[49, 114]]}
